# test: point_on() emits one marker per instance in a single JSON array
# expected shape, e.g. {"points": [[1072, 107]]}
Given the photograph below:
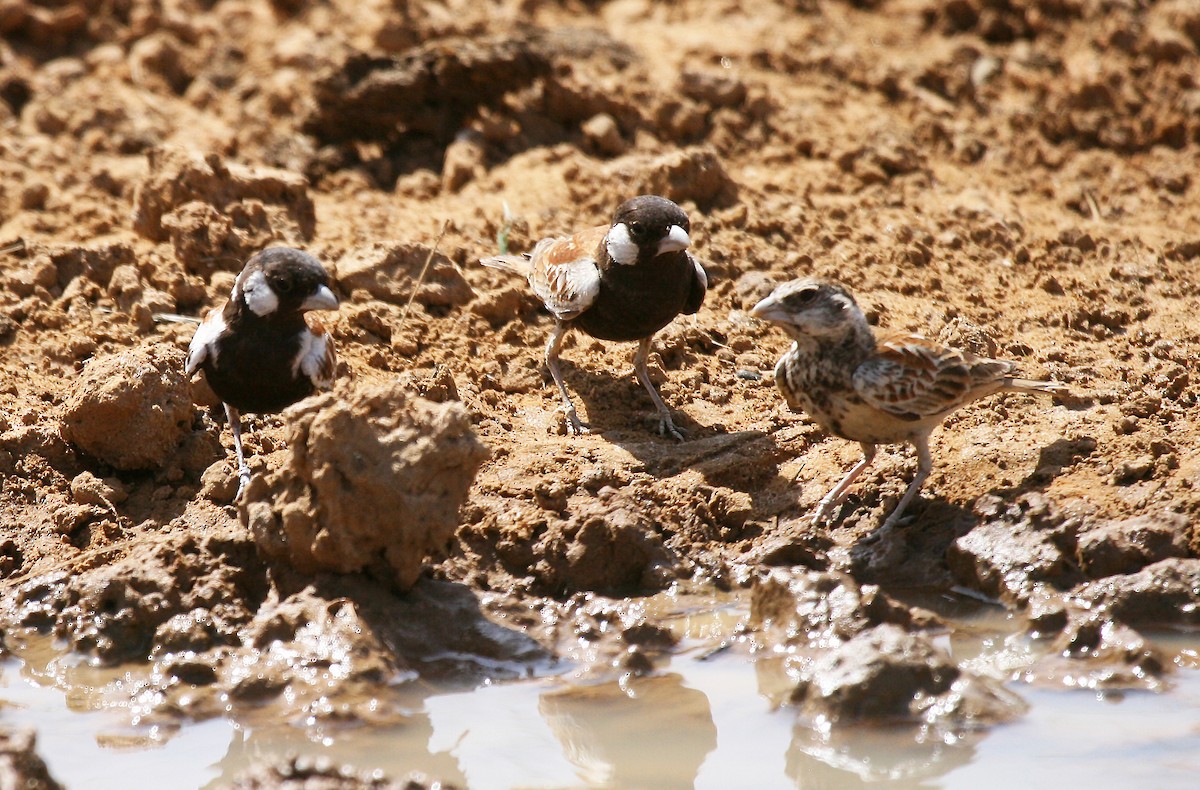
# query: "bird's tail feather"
{"points": [[1037, 387], [517, 264]]}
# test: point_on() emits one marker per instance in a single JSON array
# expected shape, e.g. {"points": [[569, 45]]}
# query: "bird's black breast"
{"points": [[253, 367], [638, 300]]}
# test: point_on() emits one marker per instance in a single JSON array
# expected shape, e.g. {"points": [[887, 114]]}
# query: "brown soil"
{"points": [[1008, 175]]}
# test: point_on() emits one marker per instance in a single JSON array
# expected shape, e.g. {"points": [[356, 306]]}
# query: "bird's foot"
{"points": [[882, 535], [824, 511], [893, 521], [574, 426], [666, 427], [887, 530], [243, 482]]}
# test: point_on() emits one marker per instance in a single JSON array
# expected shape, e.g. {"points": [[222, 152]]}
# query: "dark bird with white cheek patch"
{"points": [[895, 388], [258, 352], [621, 282]]}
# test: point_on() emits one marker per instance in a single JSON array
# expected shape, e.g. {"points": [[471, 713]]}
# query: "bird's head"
{"points": [[646, 227], [281, 280], [811, 309]]}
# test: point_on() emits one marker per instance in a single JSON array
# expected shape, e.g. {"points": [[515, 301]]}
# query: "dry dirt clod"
{"points": [[431, 88], [131, 410], [388, 271], [216, 213], [374, 482], [695, 173]]}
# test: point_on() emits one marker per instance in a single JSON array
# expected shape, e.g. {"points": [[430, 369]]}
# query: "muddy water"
{"points": [[708, 719]]}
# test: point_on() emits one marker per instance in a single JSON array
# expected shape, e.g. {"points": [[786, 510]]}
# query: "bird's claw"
{"points": [[243, 483], [666, 427], [824, 512], [574, 426]]}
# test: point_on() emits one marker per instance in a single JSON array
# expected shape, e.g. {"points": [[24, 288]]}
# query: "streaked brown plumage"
{"points": [[890, 389], [258, 352], [621, 282]]}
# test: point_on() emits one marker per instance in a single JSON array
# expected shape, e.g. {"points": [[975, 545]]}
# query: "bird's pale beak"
{"points": [[769, 310], [323, 299], [676, 239]]}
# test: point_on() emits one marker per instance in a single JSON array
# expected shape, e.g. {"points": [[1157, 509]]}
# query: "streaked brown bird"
{"points": [[258, 352], [621, 282], [895, 388]]}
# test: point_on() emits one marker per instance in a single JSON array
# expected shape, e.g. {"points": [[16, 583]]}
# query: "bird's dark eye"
{"points": [[282, 286], [637, 230], [806, 296]]}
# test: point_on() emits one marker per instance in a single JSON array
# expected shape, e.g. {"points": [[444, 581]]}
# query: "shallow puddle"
{"points": [[706, 719]]}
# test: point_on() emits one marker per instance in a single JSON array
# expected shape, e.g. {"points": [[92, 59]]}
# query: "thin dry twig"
{"points": [[421, 277]]}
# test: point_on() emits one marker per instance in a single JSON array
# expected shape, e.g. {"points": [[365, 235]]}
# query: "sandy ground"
{"points": [[1012, 176]]}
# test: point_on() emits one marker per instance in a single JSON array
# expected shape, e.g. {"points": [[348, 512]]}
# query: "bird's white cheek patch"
{"points": [[621, 247], [259, 297]]}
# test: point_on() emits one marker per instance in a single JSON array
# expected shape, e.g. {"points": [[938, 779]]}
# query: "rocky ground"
{"points": [[1012, 176]]}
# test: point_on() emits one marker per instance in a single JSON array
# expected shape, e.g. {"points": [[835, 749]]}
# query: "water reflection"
{"points": [[883, 757], [702, 724], [647, 732], [705, 720]]}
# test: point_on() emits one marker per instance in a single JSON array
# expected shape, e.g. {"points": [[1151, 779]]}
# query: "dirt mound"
{"points": [[216, 214], [131, 410], [374, 481]]}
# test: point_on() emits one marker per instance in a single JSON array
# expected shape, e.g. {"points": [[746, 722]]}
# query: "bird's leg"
{"points": [[666, 426], [235, 425], [835, 496], [574, 427], [924, 467]]}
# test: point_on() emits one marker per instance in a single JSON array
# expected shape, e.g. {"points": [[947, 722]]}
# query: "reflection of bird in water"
{"points": [[645, 732]]}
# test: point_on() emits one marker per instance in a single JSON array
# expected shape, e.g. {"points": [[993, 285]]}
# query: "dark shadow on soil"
{"points": [[914, 554], [619, 409], [437, 627]]}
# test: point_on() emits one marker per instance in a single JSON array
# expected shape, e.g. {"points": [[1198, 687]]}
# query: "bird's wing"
{"points": [[204, 341], [565, 274], [913, 378], [317, 358], [699, 287]]}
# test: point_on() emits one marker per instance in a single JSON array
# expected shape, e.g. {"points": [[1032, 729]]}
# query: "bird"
{"points": [[890, 389], [258, 351], [621, 282]]}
